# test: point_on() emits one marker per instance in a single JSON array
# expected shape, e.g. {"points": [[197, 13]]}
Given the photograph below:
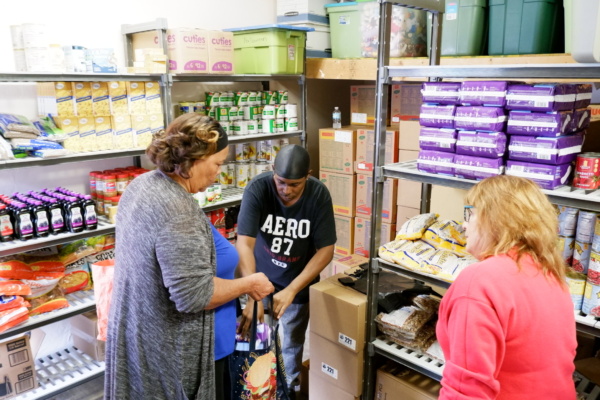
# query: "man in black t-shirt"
{"points": [[286, 230]]}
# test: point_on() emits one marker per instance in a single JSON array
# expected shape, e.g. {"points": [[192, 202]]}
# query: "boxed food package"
{"points": [[100, 100], [337, 149], [104, 133], [157, 122], [140, 124], [396, 381], [187, 49], [117, 92], [338, 313], [364, 190], [70, 127], [349, 262], [18, 367], [136, 97], [362, 235], [365, 147], [87, 134], [220, 52], [56, 99], [343, 192], [122, 132], [344, 230], [84, 329], [152, 97], [82, 92]]}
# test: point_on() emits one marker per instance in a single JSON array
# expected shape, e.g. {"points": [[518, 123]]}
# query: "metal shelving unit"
{"points": [[231, 197], [33, 77], [72, 158]]}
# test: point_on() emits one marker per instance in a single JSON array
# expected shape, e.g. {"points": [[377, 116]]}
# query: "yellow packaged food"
{"points": [[412, 255], [100, 99], [446, 234], [87, 134], [136, 98], [82, 92], [70, 127], [117, 93], [153, 100], [157, 122], [140, 124], [416, 226], [122, 132], [450, 270], [104, 132], [388, 250]]}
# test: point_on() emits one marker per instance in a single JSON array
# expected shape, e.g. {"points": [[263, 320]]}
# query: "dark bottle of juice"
{"points": [[73, 215], [57, 217], [41, 223], [90, 219], [7, 232], [23, 222]]}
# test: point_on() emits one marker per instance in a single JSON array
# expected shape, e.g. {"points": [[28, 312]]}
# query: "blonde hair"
{"points": [[188, 138], [517, 217]]}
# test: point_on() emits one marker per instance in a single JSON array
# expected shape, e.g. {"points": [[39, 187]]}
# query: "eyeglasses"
{"points": [[468, 212]]}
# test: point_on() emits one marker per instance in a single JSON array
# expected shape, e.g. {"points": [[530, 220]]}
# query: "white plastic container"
{"points": [[585, 25]]}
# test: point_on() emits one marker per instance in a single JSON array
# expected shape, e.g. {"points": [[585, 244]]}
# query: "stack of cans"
{"points": [[251, 159]]}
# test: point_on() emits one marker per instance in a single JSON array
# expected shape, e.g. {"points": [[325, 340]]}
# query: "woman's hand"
{"points": [[260, 286]]}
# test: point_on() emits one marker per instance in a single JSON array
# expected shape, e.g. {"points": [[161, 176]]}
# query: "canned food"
{"points": [[259, 125], [279, 125], [216, 99], [208, 98], [254, 99], [241, 152], [291, 124], [186, 107], [591, 299], [239, 128], [576, 283], [218, 192], [233, 113], [230, 174], [268, 126], [280, 111], [581, 257], [586, 222], [265, 151], [210, 195], [226, 125], [241, 174], [268, 112], [262, 166], [270, 97], [222, 113], [566, 246], [229, 98], [284, 142], [291, 111], [223, 178], [596, 238], [252, 127], [251, 170], [593, 272], [587, 171], [567, 220], [252, 151], [283, 96], [212, 112]]}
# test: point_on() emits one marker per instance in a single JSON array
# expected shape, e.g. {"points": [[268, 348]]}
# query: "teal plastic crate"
{"points": [[269, 49]]}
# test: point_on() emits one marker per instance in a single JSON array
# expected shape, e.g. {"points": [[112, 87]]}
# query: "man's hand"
{"points": [[246, 321], [282, 300], [260, 286]]}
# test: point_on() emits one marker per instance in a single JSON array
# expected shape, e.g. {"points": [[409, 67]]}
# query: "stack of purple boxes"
{"points": [[464, 127]]}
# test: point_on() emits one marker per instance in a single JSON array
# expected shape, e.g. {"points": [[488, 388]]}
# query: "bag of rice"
{"points": [[388, 250], [446, 234], [413, 254], [416, 226]]}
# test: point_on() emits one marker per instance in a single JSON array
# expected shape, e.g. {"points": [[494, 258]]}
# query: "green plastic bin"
{"points": [[269, 49], [344, 29], [525, 26], [463, 28]]}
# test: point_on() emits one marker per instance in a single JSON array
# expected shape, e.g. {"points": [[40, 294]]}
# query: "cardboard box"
{"points": [[362, 105], [448, 202], [87, 134], [157, 122], [364, 190], [595, 112], [17, 366], [399, 382], [320, 389], [70, 127], [187, 49], [104, 133], [335, 365], [142, 135], [409, 135], [136, 97], [100, 100], [338, 315], [122, 132], [409, 192], [343, 192], [82, 92], [304, 382], [117, 93], [404, 214], [406, 100], [362, 235], [349, 262], [337, 149], [344, 230], [56, 99], [365, 145], [152, 97], [84, 329], [220, 52]]}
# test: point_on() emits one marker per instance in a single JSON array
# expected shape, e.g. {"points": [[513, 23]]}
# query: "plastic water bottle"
{"points": [[337, 118]]}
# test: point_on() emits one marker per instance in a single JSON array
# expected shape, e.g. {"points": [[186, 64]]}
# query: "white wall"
{"points": [[71, 22]]}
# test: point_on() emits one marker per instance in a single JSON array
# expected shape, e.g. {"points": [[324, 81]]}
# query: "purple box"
{"points": [[437, 139], [437, 116], [489, 119], [440, 92], [541, 97], [581, 119], [481, 144], [539, 124], [583, 96], [469, 167], [483, 93], [545, 150], [546, 176], [436, 162]]}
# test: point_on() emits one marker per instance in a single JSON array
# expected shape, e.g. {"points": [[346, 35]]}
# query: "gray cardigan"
{"points": [[160, 341]]}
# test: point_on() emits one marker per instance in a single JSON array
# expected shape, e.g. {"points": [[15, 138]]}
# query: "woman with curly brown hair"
{"points": [[506, 325], [160, 342]]}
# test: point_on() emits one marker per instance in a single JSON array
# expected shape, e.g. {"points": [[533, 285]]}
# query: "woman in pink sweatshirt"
{"points": [[506, 325]]}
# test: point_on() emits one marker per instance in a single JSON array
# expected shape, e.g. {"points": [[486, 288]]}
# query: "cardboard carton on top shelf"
{"points": [[338, 313], [409, 135], [343, 191], [188, 50], [337, 149], [344, 230], [220, 52]]}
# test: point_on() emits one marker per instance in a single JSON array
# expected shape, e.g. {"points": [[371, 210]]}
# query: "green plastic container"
{"points": [[463, 28], [524, 26], [344, 29], [269, 49]]}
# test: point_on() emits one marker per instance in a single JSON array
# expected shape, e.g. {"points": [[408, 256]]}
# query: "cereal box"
{"points": [[82, 92], [70, 126], [104, 136], [157, 122], [153, 101], [122, 132], [117, 93], [87, 133], [141, 130], [100, 100], [136, 98]]}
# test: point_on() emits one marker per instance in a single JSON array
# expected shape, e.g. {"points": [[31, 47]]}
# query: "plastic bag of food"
{"points": [[404, 322], [446, 234], [388, 250], [8, 302], [440, 260], [5, 150], [50, 301], [102, 274], [43, 269], [49, 130], [13, 317], [16, 123], [71, 252], [413, 254], [450, 271], [14, 287], [434, 350], [416, 226], [426, 303]]}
